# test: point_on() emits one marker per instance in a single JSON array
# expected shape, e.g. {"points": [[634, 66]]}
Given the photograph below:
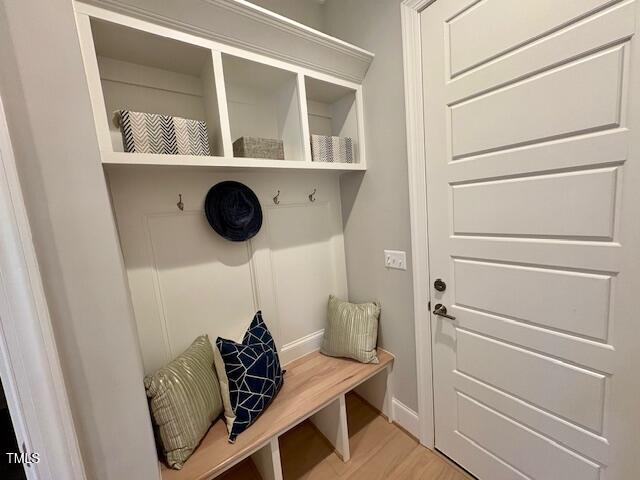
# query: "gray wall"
{"points": [[376, 206], [43, 85]]}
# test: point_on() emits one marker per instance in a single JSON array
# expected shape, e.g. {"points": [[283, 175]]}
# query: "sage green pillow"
{"points": [[351, 330], [184, 399]]}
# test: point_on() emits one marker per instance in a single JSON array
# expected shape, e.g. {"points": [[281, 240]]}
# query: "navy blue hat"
{"points": [[233, 210]]}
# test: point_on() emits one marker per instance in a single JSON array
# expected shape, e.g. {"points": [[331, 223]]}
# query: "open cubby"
{"points": [[332, 111], [138, 66], [143, 72], [263, 101]]}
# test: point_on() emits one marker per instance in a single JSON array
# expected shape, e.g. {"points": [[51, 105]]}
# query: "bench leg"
{"points": [[387, 405], [332, 423], [378, 391], [267, 461]]}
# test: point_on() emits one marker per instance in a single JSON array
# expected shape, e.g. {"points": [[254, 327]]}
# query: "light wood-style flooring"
{"points": [[379, 451]]}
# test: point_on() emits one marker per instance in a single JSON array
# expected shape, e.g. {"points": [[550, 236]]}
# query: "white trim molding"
{"points": [[300, 347], [405, 417], [243, 25], [412, 56], [29, 362]]}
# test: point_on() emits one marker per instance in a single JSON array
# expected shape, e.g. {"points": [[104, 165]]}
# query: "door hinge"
{"points": [[429, 305]]}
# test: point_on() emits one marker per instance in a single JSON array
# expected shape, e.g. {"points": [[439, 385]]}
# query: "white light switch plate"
{"points": [[395, 259]]}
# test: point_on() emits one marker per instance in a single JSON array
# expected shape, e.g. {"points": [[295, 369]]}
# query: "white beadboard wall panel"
{"points": [[192, 271], [319, 118], [186, 280], [138, 97], [250, 114], [301, 237]]}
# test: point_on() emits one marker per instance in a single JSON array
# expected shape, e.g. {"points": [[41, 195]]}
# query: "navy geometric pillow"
{"points": [[253, 375]]}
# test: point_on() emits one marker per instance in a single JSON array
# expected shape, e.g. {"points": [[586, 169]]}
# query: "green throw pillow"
{"points": [[185, 399], [351, 330]]}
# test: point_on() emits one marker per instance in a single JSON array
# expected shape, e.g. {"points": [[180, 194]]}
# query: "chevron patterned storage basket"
{"points": [[331, 149], [155, 133]]}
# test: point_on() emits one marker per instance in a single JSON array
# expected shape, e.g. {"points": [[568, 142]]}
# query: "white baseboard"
{"points": [[405, 417], [302, 346]]}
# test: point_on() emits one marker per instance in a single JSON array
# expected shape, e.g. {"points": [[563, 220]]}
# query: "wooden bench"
{"points": [[315, 387]]}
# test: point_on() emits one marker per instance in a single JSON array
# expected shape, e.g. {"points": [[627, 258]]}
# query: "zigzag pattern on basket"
{"points": [[155, 133], [331, 149]]}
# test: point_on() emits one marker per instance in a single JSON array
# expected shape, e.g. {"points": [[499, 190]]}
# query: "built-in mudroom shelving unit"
{"points": [[137, 65], [250, 75]]}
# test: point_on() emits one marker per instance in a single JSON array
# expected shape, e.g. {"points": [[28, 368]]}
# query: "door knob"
{"points": [[441, 311], [439, 285]]}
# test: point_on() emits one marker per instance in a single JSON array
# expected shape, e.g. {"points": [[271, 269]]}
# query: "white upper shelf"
{"points": [[121, 158], [138, 65], [241, 24]]}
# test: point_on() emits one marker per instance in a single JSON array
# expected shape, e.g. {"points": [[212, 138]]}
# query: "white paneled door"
{"points": [[532, 114]]}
